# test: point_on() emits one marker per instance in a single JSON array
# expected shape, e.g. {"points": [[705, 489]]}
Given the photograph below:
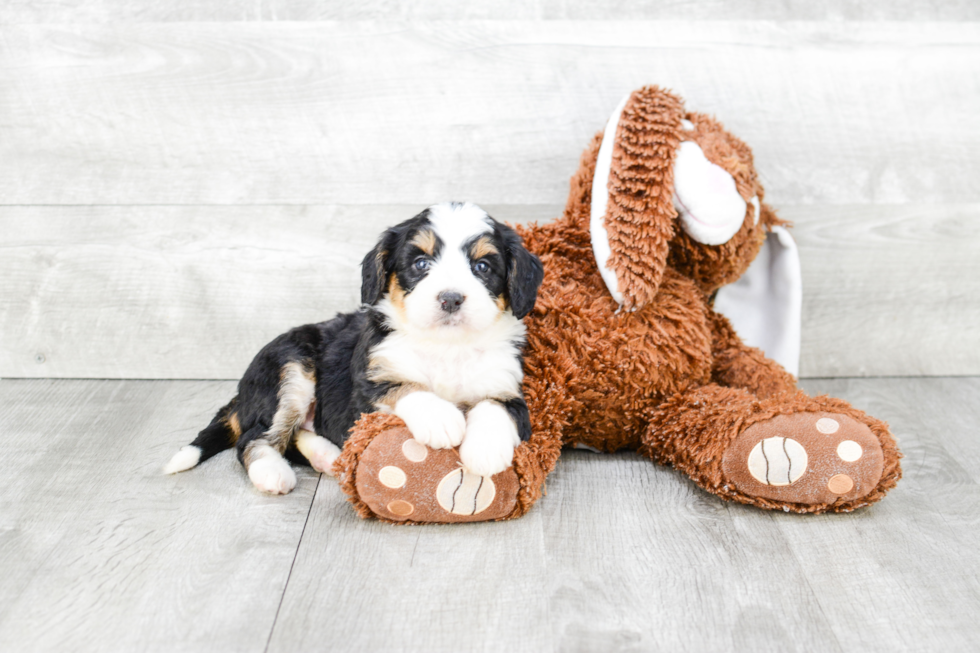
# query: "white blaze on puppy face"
{"points": [[707, 201], [461, 356], [456, 225]]}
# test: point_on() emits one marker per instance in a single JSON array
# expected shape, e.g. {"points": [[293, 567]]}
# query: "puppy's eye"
{"points": [[421, 264], [482, 267]]}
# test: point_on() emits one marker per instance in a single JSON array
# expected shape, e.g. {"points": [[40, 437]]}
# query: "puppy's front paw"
{"points": [[491, 436], [433, 421]]}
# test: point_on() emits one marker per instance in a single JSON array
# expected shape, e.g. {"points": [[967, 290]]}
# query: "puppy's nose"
{"points": [[450, 301]]}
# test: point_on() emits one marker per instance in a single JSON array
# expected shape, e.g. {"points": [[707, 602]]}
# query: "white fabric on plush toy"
{"points": [[764, 304], [708, 204], [600, 199]]}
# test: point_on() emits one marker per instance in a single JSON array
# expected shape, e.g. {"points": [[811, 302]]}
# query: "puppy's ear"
{"points": [[524, 273], [376, 267]]}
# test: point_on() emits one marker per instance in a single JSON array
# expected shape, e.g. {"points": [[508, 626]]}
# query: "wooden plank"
{"points": [[889, 290], [176, 292], [640, 559], [366, 586], [194, 292], [905, 571], [100, 551], [591, 569], [109, 11], [498, 112], [955, 400]]}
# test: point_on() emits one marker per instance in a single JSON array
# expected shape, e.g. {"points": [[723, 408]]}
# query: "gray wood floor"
{"points": [[101, 552]]}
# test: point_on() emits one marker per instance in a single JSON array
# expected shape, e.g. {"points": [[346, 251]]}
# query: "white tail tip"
{"points": [[183, 460]]}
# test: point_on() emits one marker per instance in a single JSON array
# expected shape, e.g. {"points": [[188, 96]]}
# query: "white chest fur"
{"points": [[458, 369]]}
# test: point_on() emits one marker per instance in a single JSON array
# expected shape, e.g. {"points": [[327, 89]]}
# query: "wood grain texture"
{"points": [[176, 292], [195, 292], [108, 11], [641, 559], [921, 541], [889, 290], [495, 111], [100, 551], [366, 586]]}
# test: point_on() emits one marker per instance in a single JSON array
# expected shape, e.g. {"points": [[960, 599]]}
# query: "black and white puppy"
{"points": [[437, 341]]}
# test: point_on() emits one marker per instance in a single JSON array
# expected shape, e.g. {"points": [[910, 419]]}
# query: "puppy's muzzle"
{"points": [[450, 301]]}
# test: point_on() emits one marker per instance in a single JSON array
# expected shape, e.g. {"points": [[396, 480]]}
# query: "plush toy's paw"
{"points": [[491, 435], [805, 458], [402, 480], [433, 421]]}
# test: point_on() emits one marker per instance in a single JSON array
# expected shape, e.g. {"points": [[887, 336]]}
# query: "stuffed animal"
{"points": [[624, 350]]}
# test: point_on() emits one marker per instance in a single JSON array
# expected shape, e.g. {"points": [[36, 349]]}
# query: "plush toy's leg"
{"points": [[388, 475], [799, 453]]}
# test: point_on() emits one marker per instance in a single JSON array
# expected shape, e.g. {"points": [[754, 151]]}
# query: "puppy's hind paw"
{"points": [[272, 474], [320, 451], [183, 460]]}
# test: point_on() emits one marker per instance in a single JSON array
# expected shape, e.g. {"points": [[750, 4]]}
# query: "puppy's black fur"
{"points": [[336, 352]]}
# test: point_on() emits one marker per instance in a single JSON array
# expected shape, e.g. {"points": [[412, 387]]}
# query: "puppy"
{"points": [[437, 341]]}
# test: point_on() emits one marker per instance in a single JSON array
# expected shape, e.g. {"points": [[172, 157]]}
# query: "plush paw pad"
{"points": [[807, 458], [463, 493], [400, 479]]}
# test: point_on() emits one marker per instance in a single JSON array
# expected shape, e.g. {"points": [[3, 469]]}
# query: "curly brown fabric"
{"points": [[665, 375], [671, 378], [692, 430], [640, 213]]}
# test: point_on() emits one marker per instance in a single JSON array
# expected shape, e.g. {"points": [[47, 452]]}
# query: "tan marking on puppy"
{"points": [[396, 294], [482, 246], [426, 241], [251, 453], [391, 398], [235, 427], [296, 393], [502, 304]]}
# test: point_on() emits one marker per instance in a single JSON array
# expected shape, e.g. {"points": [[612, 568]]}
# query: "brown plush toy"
{"points": [[624, 350]]}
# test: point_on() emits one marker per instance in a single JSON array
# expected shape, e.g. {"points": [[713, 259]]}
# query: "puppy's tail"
{"points": [[220, 434]]}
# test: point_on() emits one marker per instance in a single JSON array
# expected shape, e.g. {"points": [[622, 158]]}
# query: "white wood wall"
{"points": [[177, 188]]}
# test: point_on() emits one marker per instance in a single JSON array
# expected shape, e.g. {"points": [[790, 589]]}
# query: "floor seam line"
{"points": [[289, 576]]}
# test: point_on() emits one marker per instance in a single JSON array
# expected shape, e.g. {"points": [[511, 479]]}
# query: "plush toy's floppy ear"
{"points": [[632, 214], [524, 273], [376, 266]]}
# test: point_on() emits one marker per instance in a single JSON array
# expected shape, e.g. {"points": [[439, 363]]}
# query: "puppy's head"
{"points": [[451, 267]]}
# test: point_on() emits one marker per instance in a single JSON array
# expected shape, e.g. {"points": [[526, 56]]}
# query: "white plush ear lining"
{"points": [[764, 304], [711, 210], [600, 199]]}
